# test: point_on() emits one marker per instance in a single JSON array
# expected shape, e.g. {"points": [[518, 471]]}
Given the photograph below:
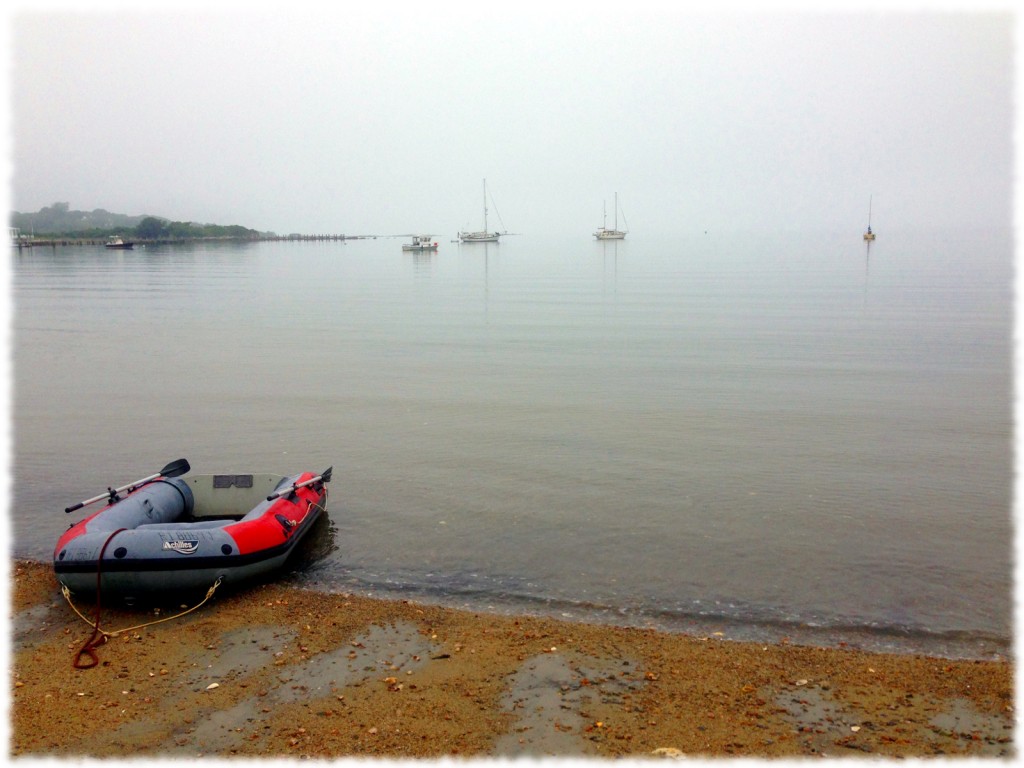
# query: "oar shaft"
{"points": [[107, 495], [174, 469], [291, 488]]}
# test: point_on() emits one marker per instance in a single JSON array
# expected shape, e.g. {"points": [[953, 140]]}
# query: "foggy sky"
{"points": [[386, 120]]}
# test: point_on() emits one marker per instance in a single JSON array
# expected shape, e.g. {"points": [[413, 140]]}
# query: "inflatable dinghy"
{"points": [[167, 533]]}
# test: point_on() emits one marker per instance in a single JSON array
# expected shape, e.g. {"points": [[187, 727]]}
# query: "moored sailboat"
{"points": [[484, 235], [603, 233], [869, 235]]}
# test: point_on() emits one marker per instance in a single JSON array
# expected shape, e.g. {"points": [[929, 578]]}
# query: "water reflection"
{"points": [[610, 255], [207, 246], [867, 268], [473, 250], [142, 257], [423, 262]]}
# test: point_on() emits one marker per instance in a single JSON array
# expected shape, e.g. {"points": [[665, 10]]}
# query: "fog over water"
{"points": [[385, 118]]}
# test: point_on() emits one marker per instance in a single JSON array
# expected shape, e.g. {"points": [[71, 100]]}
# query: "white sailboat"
{"points": [[869, 235], [483, 236], [603, 233]]}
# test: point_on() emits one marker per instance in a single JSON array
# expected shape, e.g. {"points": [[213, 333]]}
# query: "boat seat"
{"points": [[260, 509], [184, 526]]}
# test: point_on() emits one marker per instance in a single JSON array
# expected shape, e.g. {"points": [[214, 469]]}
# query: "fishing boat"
{"points": [[167, 534], [869, 235], [484, 235], [119, 242], [19, 240], [420, 243], [603, 233]]}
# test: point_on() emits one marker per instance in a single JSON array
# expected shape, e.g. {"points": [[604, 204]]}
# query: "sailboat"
{"points": [[869, 235], [603, 233], [483, 236]]}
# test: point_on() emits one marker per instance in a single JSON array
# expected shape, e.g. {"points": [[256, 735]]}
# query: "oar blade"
{"points": [[176, 468]]}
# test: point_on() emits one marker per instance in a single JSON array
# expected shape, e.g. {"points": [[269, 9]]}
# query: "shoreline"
{"points": [[277, 670], [953, 645]]}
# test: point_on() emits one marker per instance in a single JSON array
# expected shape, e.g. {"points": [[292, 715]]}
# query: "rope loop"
{"points": [[99, 636]]}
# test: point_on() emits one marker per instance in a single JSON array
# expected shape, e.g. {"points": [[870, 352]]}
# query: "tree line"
{"points": [[152, 228], [59, 221]]}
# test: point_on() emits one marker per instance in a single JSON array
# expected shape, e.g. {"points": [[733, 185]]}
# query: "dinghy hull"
{"points": [[187, 534]]}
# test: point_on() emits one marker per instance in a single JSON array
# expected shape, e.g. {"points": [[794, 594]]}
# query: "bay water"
{"points": [[769, 435]]}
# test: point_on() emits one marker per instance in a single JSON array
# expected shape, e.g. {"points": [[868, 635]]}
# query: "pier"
{"points": [[38, 242], [319, 237]]}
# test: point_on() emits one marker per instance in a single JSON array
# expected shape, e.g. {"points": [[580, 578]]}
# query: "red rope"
{"points": [[98, 636]]}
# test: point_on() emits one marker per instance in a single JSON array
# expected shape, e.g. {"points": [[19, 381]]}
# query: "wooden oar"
{"points": [[174, 469], [325, 477]]}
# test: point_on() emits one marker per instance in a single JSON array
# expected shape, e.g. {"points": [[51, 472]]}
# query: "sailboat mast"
{"points": [[616, 211], [485, 205]]}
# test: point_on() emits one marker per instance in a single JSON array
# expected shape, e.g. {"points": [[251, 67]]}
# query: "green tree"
{"points": [[150, 228]]}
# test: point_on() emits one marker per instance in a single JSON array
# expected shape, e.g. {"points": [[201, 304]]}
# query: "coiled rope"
{"points": [[92, 643], [99, 636]]}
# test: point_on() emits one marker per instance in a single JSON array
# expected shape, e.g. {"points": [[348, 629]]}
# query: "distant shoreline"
{"points": [[43, 242]]}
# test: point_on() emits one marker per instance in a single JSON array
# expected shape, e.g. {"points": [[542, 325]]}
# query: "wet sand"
{"points": [[277, 671]]}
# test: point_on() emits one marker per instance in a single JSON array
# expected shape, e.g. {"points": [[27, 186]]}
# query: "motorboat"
{"points": [[420, 243], [119, 242]]}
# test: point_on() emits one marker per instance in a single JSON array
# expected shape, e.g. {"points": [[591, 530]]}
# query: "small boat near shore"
{"points": [[166, 534], [420, 243], [119, 242]]}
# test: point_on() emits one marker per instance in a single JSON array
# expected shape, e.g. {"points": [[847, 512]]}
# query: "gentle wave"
{"points": [[701, 619]]}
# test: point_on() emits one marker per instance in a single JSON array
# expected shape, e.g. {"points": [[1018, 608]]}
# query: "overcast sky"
{"points": [[387, 119]]}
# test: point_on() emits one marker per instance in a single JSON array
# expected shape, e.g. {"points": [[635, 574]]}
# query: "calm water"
{"points": [[763, 436]]}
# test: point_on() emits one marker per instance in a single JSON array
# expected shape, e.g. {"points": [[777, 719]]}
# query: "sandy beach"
{"points": [[277, 671]]}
